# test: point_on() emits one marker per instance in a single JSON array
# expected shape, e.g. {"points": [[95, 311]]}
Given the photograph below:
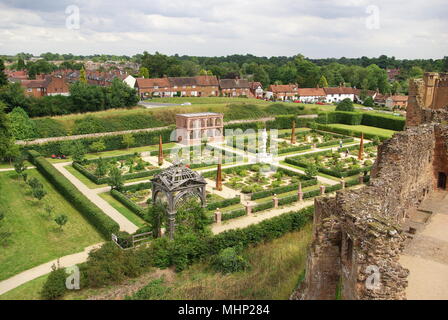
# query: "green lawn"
{"points": [[135, 219], [27, 291], [36, 238], [364, 129]]}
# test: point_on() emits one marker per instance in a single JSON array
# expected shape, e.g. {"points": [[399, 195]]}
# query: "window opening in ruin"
{"points": [[349, 251], [442, 181]]}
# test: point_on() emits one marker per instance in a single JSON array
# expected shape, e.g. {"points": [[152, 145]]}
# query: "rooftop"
{"points": [[200, 114]]}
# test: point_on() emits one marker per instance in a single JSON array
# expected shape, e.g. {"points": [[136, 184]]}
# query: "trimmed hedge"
{"points": [[102, 222], [293, 149], [103, 180], [131, 205], [114, 142], [384, 121], [224, 203], [345, 117], [334, 142], [352, 133], [263, 206], [233, 214], [280, 190]]}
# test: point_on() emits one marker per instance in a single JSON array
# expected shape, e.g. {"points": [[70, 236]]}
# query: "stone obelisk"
{"points": [[160, 151]]}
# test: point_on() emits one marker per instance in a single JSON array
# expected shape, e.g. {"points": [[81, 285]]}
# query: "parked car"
{"points": [[186, 104]]}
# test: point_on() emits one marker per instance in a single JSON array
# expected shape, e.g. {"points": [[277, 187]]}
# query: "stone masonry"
{"points": [[358, 235]]}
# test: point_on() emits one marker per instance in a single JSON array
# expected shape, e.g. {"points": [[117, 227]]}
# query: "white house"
{"points": [[311, 95], [130, 81], [337, 94]]}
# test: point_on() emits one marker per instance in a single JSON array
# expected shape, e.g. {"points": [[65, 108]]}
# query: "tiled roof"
{"points": [[207, 81], [41, 83], [276, 88], [153, 82], [182, 81], [255, 85], [234, 84], [304, 92]]}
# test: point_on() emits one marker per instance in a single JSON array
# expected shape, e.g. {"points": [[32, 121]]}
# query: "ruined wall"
{"points": [[428, 99], [359, 229]]}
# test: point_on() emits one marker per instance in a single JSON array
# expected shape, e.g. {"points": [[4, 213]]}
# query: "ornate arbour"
{"points": [[178, 183]]}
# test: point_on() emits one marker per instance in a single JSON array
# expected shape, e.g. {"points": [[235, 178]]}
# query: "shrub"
{"points": [[47, 127], [345, 105], [154, 290], [54, 287], [224, 203], [229, 260]]}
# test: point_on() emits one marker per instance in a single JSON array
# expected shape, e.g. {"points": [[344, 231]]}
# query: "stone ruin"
{"points": [[359, 234]]}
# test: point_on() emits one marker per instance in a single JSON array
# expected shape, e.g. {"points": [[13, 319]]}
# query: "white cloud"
{"points": [[315, 28]]}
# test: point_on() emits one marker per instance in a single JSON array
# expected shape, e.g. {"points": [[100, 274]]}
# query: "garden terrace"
{"points": [[199, 156], [132, 166], [338, 164], [253, 178]]}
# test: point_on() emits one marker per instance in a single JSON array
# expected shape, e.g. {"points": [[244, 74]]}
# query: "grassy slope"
{"points": [[36, 238], [123, 210]]}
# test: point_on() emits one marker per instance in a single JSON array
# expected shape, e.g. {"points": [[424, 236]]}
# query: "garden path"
{"points": [[92, 195], [43, 269]]}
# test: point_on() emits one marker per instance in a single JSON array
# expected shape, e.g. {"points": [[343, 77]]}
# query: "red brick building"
{"points": [[192, 128], [154, 87], [234, 87], [47, 86]]}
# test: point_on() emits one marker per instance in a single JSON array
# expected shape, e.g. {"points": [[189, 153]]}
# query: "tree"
{"points": [[8, 148], [19, 167], [83, 76], [78, 151], [323, 83], [3, 77], [54, 287], [143, 72], [101, 167], [39, 193], [115, 179], [311, 171], [345, 105], [22, 127], [128, 140], [368, 102], [155, 217], [20, 64], [61, 220], [98, 146], [48, 208]]}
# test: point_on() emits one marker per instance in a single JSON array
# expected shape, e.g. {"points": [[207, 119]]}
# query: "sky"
{"points": [[406, 29]]}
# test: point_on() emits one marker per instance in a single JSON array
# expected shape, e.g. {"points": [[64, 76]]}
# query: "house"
{"points": [[234, 87], [392, 74], [360, 95], [380, 99], [337, 94], [17, 75], [397, 101], [130, 81], [311, 95], [184, 86], [45, 86], [208, 86], [256, 88], [154, 87], [284, 92]]}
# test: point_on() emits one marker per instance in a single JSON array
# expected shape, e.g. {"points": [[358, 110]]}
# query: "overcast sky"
{"points": [[315, 28]]}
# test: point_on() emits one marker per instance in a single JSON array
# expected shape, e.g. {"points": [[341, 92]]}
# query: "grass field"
{"points": [[275, 270], [36, 238], [364, 129]]}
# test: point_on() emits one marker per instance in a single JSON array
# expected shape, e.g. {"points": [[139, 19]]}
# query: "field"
{"points": [[275, 270], [36, 238]]}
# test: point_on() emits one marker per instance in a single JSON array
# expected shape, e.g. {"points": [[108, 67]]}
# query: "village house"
{"points": [[234, 87], [45, 86], [361, 95], [207, 86], [397, 101], [337, 94], [312, 95], [284, 92], [256, 88], [153, 87]]}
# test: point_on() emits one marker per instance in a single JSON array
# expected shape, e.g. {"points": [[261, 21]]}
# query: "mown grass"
{"points": [[131, 216], [365, 129], [36, 238]]}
